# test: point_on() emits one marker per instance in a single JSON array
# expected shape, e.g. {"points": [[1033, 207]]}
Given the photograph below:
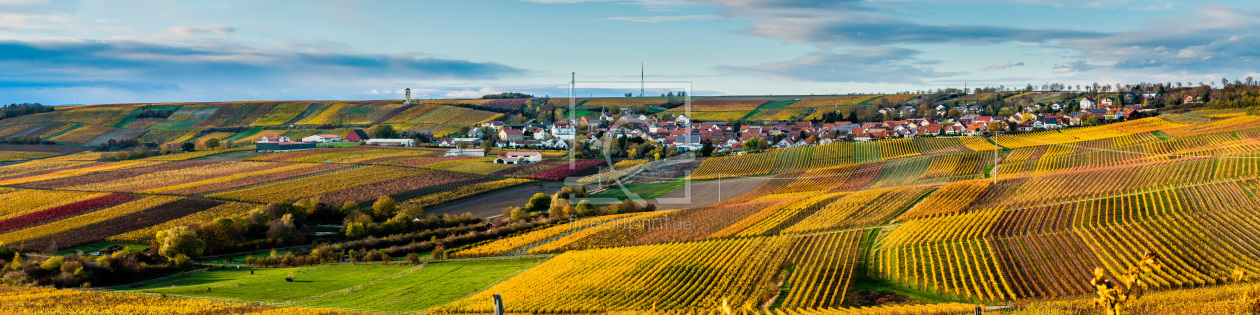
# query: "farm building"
{"points": [[392, 142], [465, 152], [283, 146], [322, 138], [356, 136], [270, 138], [511, 134], [519, 158]]}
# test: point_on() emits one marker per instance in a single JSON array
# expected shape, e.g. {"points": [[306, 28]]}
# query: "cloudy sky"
{"points": [[85, 52]]}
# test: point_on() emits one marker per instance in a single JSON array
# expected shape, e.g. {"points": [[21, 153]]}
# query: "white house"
{"points": [[1087, 103], [688, 142], [322, 138], [682, 120], [519, 158], [269, 138], [465, 152], [556, 144], [564, 131], [392, 142], [541, 134], [531, 157]]}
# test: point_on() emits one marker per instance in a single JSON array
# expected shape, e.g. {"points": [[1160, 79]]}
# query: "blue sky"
{"points": [[76, 52]]}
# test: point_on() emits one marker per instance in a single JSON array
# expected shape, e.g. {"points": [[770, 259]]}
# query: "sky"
{"points": [[123, 51]]}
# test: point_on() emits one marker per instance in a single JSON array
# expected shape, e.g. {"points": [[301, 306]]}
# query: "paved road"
{"points": [[492, 204]]}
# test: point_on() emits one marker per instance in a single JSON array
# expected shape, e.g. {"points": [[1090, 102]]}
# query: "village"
{"points": [[680, 133]]}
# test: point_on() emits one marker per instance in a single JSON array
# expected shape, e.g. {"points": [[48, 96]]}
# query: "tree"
{"points": [[707, 149], [179, 240], [439, 252], [560, 208], [188, 146], [1091, 121], [52, 263], [356, 231], [755, 144], [348, 207], [539, 201], [517, 214], [584, 208], [996, 126], [283, 231], [16, 263], [384, 207], [384, 132], [212, 143]]}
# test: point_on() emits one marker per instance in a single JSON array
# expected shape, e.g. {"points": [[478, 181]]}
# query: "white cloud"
{"points": [[1073, 66], [473, 94], [1004, 65], [191, 31], [667, 18]]}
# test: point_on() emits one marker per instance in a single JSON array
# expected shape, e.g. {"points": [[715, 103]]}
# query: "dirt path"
{"points": [[492, 204]]}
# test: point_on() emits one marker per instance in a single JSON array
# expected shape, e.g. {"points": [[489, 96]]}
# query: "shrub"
{"points": [[52, 263]]}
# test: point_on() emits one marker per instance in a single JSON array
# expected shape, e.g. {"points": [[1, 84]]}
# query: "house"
{"points": [[519, 158], [476, 133], [270, 138], [682, 120], [511, 135], [556, 144], [1190, 99], [541, 134], [325, 138], [356, 136], [688, 142], [493, 124], [1107, 101], [392, 142], [283, 146], [1150, 94], [1087, 103], [465, 152], [564, 131]]}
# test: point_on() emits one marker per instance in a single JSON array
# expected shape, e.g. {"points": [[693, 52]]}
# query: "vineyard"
{"points": [[959, 221], [842, 101]]}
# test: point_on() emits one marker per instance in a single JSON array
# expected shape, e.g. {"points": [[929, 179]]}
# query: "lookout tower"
{"points": [[408, 101]]}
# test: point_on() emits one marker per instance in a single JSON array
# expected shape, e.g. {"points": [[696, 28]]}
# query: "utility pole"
{"points": [[995, 165]]}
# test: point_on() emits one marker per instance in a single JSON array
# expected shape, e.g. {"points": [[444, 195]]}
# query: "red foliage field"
{"points": [[257, 179], [63, 211], [123, 224], [42, 148], [113, 175], [559, 173], [402, 188], [422, 161], [506, 104]]}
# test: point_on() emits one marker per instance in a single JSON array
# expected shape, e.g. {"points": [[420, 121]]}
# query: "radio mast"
{"points": [[640, 79]]}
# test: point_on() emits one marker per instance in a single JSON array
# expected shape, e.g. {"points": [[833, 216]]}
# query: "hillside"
{"points": [[948, 221]]}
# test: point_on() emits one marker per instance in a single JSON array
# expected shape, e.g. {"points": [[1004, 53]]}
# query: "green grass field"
{"points": [[86, 249], [438, 283], [376, 287], [645, 191], [771, 105]]}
